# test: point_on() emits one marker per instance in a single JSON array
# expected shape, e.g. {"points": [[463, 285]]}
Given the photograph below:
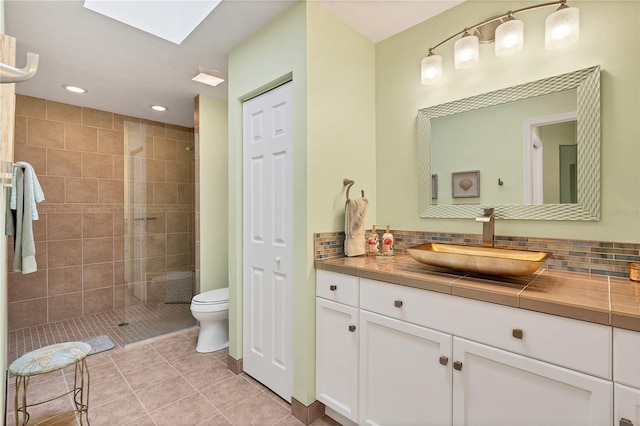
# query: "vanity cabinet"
{"points": [[430, 358], [337, 339], [405, 373], [626, 375], [496, 387]]}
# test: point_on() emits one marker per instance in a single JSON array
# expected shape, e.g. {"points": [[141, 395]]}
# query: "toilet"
{"points": [[211, 308]]}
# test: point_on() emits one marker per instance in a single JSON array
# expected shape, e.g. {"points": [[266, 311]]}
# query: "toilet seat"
{"points": [[212, 297]]}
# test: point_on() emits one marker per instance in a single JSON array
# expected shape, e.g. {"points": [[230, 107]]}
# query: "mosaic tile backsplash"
{"points": [[591, 257]]}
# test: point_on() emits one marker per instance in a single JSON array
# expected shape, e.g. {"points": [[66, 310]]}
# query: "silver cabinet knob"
{"points": [[444, 360], [517, 333], [352, 328], [333, 287], [398, 303], [625, 422], [457, 365]]}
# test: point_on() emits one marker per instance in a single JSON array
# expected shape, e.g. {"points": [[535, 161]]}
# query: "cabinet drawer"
{"points": [[340, 288], [626, 357], [574, 344]]}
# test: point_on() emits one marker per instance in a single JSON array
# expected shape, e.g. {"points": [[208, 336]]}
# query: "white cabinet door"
{"points": [[495, 387], [405, 373], [626, 357], [627, 410], [337, 357]]}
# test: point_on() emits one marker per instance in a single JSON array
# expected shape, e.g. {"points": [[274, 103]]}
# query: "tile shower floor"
{"points": [[144, 321], [160, 381]]}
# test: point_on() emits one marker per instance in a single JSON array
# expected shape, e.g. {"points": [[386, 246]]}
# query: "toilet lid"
{"points": [[211, 297]]}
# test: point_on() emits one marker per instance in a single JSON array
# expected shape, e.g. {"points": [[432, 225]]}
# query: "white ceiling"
{"points": [[126, 70]]}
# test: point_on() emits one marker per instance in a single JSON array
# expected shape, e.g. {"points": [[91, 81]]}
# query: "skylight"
{"points": [[169, 20]]}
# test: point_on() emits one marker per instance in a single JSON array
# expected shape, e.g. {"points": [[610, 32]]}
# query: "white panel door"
{"points": [[495, 387], [267, 240], [627, 402], [405, 373]]}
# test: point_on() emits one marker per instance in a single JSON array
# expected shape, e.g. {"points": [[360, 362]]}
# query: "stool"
{"points": [[48, 359]]}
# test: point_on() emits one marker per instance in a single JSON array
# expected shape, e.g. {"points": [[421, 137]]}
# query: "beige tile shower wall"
{"points": [[79, 157]]}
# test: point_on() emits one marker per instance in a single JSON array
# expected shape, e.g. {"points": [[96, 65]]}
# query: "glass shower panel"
{"points": [[158, 244]]}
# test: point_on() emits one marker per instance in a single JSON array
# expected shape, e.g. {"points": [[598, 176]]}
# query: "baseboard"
{"points": [[307, 414], [235, 365]]}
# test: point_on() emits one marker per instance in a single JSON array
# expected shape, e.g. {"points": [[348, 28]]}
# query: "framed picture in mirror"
{"points": [[465, 184]]}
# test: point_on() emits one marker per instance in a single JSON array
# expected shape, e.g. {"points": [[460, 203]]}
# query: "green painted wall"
{"points": [[340, 144], [272, 55], [332, 68], [213, 177], [610, 37]]}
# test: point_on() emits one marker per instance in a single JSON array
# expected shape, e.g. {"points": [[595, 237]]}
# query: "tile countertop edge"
{"points": [[366, 267]]}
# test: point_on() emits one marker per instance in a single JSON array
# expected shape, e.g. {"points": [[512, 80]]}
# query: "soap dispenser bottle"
{"points": [[387, 243], [373, 245]]}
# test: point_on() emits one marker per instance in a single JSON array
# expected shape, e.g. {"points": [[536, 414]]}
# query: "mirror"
{"points": [[512, 181]]}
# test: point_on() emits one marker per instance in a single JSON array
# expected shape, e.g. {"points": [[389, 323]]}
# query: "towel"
{"points": [[24, 258], [354, 218], [36, 196]]}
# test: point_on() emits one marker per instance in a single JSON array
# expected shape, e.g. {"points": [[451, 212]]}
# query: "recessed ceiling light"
{"points": [[210, 77], [74, 89], [159, 108]]}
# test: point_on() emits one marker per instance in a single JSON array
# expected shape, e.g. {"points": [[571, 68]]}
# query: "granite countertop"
{"points": [[594, 298]]}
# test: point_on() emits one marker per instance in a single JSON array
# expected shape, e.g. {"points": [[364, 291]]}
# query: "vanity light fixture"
{"points": [[74, 89], [562, 29], [158, 108]]}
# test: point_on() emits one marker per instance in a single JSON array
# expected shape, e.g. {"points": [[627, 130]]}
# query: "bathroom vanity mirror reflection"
{"points": [[536, 145]]}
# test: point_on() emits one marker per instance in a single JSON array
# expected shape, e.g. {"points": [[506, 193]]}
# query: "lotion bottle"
{"points": [[372, 242], [387, 243]]}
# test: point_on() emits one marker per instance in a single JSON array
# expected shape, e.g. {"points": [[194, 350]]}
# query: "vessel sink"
{"points": [[481, 260]]}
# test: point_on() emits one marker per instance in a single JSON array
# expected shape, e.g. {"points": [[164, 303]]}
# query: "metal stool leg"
{"points": [[24, 381], [81, 392]]}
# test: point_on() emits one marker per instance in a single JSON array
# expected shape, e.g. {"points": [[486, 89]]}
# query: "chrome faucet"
{"points": [[488, 226]]}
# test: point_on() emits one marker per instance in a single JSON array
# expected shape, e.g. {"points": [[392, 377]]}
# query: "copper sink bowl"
{"points": [[481, 260]]}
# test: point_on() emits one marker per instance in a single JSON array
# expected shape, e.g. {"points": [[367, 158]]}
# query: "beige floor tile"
{"points": [[151, 375], [99, 373], [145, 420], [135, 357], [192, 361], [173, 346], [164, 393], [117, 412], [261, 410], [187, 411], [290, 421], [253, 381], [218, 420], [222, 354], [108, 390], [99, 358], [202, 370], [226, 394]]}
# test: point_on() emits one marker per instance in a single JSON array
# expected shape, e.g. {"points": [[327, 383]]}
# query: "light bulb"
{"points": [[431, 69], [509, 38], [562, 28], [466, 52]]}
